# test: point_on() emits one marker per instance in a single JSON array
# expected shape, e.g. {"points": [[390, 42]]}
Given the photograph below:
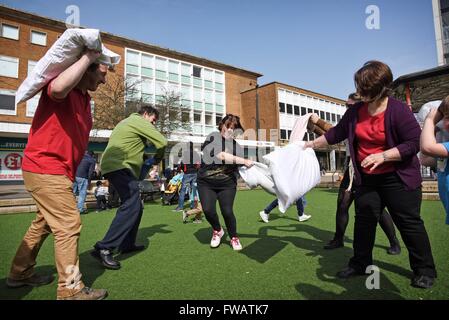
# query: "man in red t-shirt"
{"points": [[58, 138]]}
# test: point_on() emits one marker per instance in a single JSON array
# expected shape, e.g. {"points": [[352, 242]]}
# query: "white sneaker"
{"points": [[236, 245], [304, 217], [264, 216], [216, 238], [184, 216]]}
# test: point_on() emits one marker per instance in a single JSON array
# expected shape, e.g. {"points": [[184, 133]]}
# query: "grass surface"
{"points": [[283, 259]]}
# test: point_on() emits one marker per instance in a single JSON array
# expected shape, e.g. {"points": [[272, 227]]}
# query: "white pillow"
{"points": [[258, 175], [295, 172], [62, 54]]}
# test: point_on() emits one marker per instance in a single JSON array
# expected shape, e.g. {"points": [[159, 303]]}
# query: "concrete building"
{"points": [[441, 21]]}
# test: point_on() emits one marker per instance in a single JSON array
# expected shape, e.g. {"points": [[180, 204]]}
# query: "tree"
{"points": [[173, 117], [120, 96], [110, 106]]}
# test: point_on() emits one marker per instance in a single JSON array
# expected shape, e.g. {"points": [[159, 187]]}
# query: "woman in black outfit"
{"points": [[217, 178]]}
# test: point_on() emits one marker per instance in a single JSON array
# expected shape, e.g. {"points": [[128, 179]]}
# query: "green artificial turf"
{"points": [[283, 259]]}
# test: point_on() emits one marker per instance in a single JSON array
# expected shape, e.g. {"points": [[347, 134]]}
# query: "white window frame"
{"points": [[28, 66], [17, 70], [9, 25], [36, 97], [41, 32], [11, 93]]}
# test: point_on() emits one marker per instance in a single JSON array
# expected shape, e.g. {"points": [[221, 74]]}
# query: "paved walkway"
{"points": [[13, 192]]}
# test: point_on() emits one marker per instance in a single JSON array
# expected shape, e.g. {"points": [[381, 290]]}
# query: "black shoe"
{"points": [[349, 272], [134, 248], [106, 259], [423, 282], [334, 244], [395, 249]]}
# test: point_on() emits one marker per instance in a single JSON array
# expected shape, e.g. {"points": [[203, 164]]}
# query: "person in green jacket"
{"points": [[121, 164]]}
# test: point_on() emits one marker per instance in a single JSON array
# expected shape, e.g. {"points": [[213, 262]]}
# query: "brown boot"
{"points": [[88, 294], [34, 281]]}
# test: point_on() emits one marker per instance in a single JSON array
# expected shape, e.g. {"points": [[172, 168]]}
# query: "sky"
{"points": [[316, 45]]}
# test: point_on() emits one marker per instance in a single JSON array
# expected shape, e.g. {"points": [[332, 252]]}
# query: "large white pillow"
{"points": [[62, 54]]}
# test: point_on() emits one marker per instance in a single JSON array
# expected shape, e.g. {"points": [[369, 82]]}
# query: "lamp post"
{"points": [[257, 113]]}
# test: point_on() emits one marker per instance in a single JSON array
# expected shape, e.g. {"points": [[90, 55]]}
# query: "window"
{"points": [[7, 102], [328, 116], [338, 118], [218, 118], [322, 115], [209, 120], [303, 111], [39, 38], [132, 62], [10, 32], [289, 133], [309, 110], [333, 117], [197, 71], [147, 65], [31, 65], [197, 117], [32, 105], [219, 99], [9, 66], [289, 109], [281, 107], [283, 134], [296, 110], [185, 117]]}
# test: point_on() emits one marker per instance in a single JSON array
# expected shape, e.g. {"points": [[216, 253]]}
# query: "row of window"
{"points": [[308, 136], [298, 98], [9, 66], [151, 66], [300, 111], [8, 104], [12, 32], [151, 77]]}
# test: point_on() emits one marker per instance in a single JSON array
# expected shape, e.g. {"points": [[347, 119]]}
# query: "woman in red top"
{"points": [[383, 138]]}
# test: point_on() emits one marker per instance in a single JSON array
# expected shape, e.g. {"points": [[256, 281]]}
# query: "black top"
{"points": [[216, 173]]}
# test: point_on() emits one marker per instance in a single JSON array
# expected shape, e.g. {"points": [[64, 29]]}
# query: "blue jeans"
{"points": [[80, 189], [300, 203], [190, 180]]}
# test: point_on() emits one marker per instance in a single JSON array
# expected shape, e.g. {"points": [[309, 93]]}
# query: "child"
{"points": [[101, 193], [430, 148]]}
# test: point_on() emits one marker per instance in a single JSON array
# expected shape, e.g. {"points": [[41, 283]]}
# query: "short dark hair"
{"points": [[93, 67], [230, 120], [148, 108], [354, 96], [90, 152], [99, 183], [444, 107], [373, 81]]}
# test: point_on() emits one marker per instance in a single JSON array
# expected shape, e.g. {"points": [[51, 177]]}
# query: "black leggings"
{"points": [[344, 201], [225, 198]]}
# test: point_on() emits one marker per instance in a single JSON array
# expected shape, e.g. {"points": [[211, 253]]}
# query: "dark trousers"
{"points": [[101, 202], [344, 201], [275, 203], [376, 192], [123, 230], [209, 197]]}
